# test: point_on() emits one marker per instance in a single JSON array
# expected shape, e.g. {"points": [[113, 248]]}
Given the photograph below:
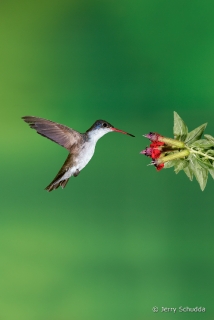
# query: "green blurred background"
{"points": [[121, 238]]}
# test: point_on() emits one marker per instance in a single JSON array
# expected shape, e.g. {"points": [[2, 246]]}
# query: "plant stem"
{"points": [[201, 153]]}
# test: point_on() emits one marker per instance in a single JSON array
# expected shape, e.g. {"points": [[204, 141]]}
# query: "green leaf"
{"points": [[189, 172], [209, 137], [204, 163], [180, 165], [203, 143], [170, 164], [180, 129], [200, 173], [211, 171], [195, 134], [210, 152]]}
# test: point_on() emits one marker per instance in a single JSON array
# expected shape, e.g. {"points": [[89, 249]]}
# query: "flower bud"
{"points": [[147, 152], [157, 139], [152, 136]]}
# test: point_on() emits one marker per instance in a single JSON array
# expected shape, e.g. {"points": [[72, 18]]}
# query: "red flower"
{"points": [[152, 136], [163, 149], [156, 144], [158, 164], [147, 152], [153, 153]]}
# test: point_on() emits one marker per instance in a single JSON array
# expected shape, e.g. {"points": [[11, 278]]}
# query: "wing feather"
{"points": [[64, 136]]}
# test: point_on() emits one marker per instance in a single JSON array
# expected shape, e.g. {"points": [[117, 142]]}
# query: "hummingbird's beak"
{"points": [[117, 130]]}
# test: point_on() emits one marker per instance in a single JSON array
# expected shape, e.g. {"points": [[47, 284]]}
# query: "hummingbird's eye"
{"points": [[104, 125]]}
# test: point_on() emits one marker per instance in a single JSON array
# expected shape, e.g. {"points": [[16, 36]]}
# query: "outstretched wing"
{"points": [[64, 136]]}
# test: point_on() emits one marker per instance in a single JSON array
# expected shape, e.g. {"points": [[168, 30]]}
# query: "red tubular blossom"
{"points": [[147, 152], [156, 144], [159, 163], [163, 149], [160, 166], [157, 139], [152, 136], [153, 153]]}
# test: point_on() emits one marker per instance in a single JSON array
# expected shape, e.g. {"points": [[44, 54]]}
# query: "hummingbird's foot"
{"points": [[76, 173]]}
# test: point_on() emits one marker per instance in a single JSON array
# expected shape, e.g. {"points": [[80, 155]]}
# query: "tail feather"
{"points": [[58, 181], [52, 186]]}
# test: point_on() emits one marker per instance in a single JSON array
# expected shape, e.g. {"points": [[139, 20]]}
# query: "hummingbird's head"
{"points": [[101, 127]]}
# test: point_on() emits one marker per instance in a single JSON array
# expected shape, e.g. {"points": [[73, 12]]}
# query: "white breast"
{"points": [[86, 153]]}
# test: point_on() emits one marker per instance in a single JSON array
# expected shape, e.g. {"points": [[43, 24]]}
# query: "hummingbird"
{"points": [[81, 146]]}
